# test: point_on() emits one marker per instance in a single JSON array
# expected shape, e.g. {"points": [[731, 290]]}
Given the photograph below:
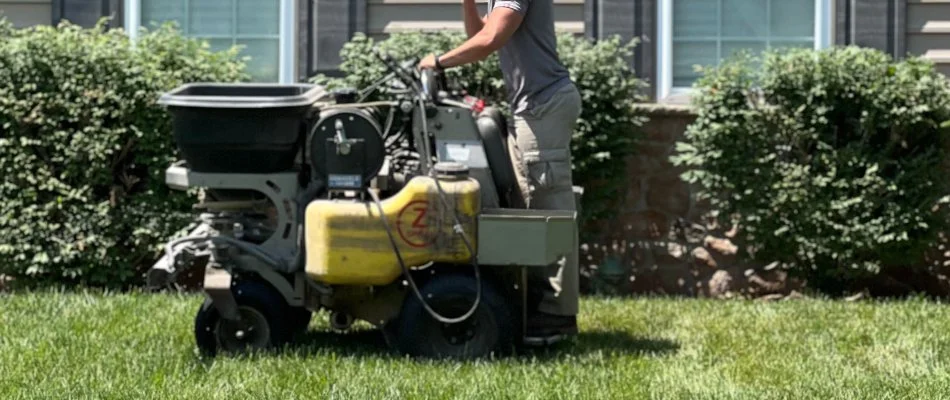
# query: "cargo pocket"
{"points": [[548, 169]]}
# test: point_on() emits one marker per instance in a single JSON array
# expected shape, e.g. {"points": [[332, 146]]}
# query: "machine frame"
{"points": [[540, 237]]}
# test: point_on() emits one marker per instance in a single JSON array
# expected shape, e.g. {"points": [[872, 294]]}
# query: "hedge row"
{"points": [[832, 162], [84, 146]]}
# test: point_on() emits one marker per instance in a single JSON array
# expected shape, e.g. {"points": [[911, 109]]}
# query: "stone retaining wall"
{"points": [[662, 241]]}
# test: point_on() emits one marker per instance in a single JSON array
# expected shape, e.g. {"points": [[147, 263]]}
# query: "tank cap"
{"points": [[451, 169]]}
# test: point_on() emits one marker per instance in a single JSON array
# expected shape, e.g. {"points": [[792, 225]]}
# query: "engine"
{"points": [[354, 146], [346, 148]]}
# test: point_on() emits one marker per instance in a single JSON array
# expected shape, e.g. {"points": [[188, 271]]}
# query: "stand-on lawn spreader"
{"points": [[404, 213]]}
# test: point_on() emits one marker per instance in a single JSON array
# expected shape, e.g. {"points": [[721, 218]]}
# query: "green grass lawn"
{"points": [[74, 345]]}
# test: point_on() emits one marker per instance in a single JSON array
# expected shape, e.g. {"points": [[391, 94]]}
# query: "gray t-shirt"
{"points": [[530, 64]]}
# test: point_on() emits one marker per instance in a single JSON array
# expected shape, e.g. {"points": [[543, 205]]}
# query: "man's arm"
{"points": [[473, 21], [499, 26]]}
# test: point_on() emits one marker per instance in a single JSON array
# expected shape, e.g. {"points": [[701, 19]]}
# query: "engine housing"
{"points": [[346, 148]]}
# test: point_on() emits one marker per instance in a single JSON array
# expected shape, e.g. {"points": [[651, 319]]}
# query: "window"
{"points": [[704, 32], [256, 25]]}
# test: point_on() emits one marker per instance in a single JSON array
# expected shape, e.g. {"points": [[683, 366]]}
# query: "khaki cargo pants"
{"points": [[539, 144]]}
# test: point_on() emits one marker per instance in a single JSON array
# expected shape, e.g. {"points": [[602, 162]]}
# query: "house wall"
{"points": [[23, 13], [391, 16], [928, 31], [895, 26], [660, 241], [898, 27], [336, 21]]}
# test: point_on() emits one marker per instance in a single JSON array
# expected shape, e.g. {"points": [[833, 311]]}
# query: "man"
{"points": [[545, 104]]}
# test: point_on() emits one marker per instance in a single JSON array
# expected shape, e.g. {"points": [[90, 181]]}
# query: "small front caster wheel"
{"points": [[262, 324]]}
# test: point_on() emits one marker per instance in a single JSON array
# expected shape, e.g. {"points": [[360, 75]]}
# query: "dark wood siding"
{"points": [[928, 31], [304, 34], [384, 17], [627, 19], [87, 12], [874, 24], [24, 13], [334, 23]]}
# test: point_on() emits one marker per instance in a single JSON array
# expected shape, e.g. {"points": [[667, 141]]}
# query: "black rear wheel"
{"points": [[490, 330], [263, 324]]}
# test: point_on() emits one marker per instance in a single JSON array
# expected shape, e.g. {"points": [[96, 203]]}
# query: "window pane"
{"points": [[744, 18], [792, 18], [161, 11], [686, 55], [695, 18], [220, 44], [265, 58], [732, 47], [792, 44], [258, 17], [221, 22], [211, 17]]}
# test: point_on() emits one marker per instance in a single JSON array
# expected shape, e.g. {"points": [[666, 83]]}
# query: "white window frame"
{"points": [[824, 23], [287, 32]]}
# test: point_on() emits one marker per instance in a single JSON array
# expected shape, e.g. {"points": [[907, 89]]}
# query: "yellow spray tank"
{"points": [[347, 243]]}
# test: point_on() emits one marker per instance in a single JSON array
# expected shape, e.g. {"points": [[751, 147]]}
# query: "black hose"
{"points": [[412, 282], [438, 185], [425, 136], [457, 228]]}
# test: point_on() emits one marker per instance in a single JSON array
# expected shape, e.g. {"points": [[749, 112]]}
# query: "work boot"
{"points": [[542, 325]]}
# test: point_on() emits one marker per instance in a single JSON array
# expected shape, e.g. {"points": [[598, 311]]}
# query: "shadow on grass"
{"points": [[361, 342], [371, 342], [617, 343]]}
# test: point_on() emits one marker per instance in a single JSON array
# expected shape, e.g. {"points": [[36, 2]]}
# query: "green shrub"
{"points": [[84, 146], [606, 131], [831, 161]]}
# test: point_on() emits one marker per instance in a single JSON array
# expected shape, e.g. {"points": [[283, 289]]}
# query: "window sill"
{"points": [[678, 98], [677, 103], [666, 108]]}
